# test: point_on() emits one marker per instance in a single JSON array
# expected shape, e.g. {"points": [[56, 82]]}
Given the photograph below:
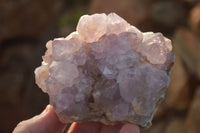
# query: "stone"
{"points": [[191, 1], [27, 19], [176, 126], [158, 15], [12, 74], [178, 95], [107, 71], [194, 20], [193, 118], [157, 127], [187, 46], [169, 14], [132, 10], [18, 91]]}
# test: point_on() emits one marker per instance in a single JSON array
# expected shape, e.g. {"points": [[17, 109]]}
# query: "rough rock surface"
{"points": [[159, 15], [106, 71], [187, 45], [193, 117], [29, 19], [194, 20]]}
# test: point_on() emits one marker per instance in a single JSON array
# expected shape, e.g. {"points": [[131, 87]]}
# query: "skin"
{"points": [[48, 122]]}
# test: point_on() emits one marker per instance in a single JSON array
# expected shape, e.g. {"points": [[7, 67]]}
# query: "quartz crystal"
{"points": [[107, 71]]}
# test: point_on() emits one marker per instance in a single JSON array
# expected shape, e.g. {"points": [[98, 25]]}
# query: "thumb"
{"points": [[46, 122]]}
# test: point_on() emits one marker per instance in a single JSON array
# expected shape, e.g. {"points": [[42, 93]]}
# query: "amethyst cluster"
{"points": [[107, 71]]}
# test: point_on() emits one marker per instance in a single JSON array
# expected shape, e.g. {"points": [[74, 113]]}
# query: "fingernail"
{"points": [[129, 128], [46, 110]]}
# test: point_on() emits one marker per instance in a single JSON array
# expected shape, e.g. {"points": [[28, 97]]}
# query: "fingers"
{"points": [[85, 127], [111, 129], [129, 128], [95, 127], [46, 122]]}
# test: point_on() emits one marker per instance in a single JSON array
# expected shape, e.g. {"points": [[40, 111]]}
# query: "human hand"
{"points": [[47, 122]]}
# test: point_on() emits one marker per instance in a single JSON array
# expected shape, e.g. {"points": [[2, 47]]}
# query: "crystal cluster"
{"points": [[106, 71]]}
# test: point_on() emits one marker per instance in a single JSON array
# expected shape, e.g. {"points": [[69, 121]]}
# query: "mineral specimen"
{"points": [[106, 71]]}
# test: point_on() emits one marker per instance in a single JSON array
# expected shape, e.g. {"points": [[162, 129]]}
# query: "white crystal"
{"points": [[92, 27], [63, 72], [116, 24], [106, 71], [154, 48]]}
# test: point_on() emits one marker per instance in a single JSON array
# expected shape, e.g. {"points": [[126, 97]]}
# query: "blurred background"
{"points": [[26, 26]]}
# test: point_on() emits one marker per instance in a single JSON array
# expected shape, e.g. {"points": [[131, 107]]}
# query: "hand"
{"points": [[47, 122]]}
